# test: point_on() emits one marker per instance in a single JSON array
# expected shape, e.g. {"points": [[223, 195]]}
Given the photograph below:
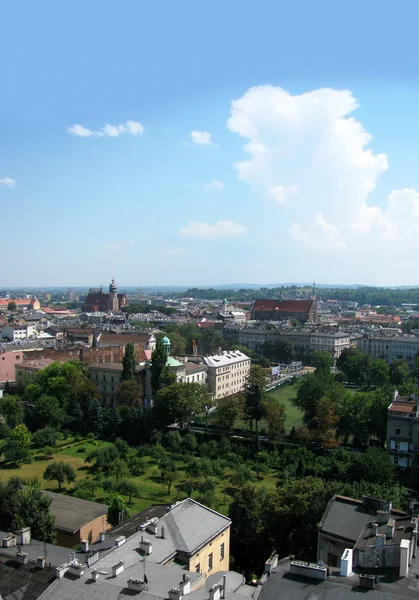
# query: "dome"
{"points": [[113, 287], [165, 341]]}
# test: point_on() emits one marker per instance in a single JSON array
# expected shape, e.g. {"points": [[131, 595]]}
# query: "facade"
{"points": [[106, 377], [227, 373], [25, 369], [8, 360], [21, 303], [304, 311], [98, 301], [16, 333], [403, 435], [76, 519], [390, 346]]}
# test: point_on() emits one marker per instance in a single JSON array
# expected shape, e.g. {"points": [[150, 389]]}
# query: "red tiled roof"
{"points": [[401, 407], [302, 306]]}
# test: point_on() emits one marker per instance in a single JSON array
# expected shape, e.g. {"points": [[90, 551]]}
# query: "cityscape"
{"points": [[209, 307]]}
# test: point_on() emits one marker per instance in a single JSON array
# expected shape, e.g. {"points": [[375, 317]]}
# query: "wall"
{"points": [[330, 550], [8, 360], [201, 558], [388, 556]]}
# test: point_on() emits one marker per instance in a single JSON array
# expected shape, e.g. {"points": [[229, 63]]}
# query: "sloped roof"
{"points": [[303, 306], [72, 513]]}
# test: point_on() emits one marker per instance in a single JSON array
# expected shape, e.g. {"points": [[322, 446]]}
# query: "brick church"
{"points": [[98, 301]]}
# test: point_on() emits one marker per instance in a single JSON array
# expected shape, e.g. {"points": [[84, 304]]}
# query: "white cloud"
{"points": [[8, 182], [221, 229], [281, 193], [214, 185], [174, 250], [309, 154], [130, 127], [202, 138]]}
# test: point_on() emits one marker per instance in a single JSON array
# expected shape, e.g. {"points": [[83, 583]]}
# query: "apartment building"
{"points": [[403, 435], [390, 346], [16, 333], [227, 373]]}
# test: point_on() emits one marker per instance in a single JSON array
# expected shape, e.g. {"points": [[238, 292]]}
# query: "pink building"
{"points": [[8, 360]]}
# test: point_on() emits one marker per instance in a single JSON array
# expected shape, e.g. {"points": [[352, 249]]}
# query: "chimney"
{"points": [[162, 532], [175, 594], [185, 585], [390, 529], [215, 592], [374, 529], [85, 545], [118, 569], [380, 540], [382, 516], [223, 591], [25, 535]]}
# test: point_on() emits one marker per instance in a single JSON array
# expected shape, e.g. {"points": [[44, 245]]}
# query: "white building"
{"points": [[15, 333], [227, 373]]}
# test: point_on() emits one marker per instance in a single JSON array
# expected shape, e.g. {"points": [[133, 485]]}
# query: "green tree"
{"points": [[325, 423], [60, 472], [16, 449], [26, 506], [399, 372], [103, 457], [275, 418], [48, 412], [280, 350], [254, 396], [179, 403], [117, 510], [11, 407], [128, 488], [312, 389], [48, 436], [211, 341], [228, 411], [168, 477], [119, 469], [158, 366], [355, 365], [129, 364], [129, 393], [322, 361], [11, 306], [380, 373], [241, 476], [95, 421]]}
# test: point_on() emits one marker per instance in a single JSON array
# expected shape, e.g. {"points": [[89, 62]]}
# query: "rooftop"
{"points": [[72, 513], [226, 358]]}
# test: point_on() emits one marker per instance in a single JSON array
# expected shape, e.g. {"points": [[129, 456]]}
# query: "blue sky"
{"points": [[215, 142]]}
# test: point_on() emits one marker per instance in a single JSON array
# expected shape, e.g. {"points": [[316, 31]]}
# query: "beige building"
{"points": [[403, 435], [25, 369], [106, 377], [227, 373]]}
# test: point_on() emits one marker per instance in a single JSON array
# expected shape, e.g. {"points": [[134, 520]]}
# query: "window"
{"points": [[112, 378], [97, 377], [17, 356], [398, 430], [198, 568], [210, 562], [222, 551]]}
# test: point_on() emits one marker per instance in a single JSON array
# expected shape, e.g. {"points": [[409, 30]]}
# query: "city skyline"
{"points": [[200, 144]]}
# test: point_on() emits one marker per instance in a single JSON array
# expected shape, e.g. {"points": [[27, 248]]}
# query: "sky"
{"points": [[204, 143]]}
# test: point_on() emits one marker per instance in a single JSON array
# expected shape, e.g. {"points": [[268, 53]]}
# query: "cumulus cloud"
{"points": [[310, 155], [281, 193], [130, 127], [8, 182], [214, 185], [201, 138], [205, 231]]}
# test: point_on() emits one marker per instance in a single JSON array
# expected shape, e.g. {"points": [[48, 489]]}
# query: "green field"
{"points": [[284, 394]]}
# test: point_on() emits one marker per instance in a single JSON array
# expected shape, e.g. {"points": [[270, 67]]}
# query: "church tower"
{"points": [[113, 303]]}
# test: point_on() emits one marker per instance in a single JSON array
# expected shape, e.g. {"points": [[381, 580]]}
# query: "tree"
{"points": [[322, 360], [211, 341], [11, 306], [312, 389], [16, 449], [158, 364], [380, 373], [129, 393], [355, 365], [128, 488], [129, 364], [48, 412], [95, 416], [399, 372], [117, 510], [26, 506], [241, 476], [179, 403], [60, 472], [11, 407], [229, 410], [254, 396], [275, 418], [119, 468], [374, 466], [168, 477], [48, 436], [280, 350], [325, 423], [104, 457]]}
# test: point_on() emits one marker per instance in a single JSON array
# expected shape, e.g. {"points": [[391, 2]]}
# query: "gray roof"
{"points": [[72, 513], [345, 518], [283, 586]]}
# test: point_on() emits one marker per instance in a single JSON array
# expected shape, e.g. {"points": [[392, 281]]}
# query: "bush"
{"points": [[81, 449], [78, 437]]}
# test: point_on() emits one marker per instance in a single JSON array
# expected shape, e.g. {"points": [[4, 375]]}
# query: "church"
{"points": [[98, 301]]}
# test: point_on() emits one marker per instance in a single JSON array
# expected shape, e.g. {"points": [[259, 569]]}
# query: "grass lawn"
{"points": [[284, 394]]}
